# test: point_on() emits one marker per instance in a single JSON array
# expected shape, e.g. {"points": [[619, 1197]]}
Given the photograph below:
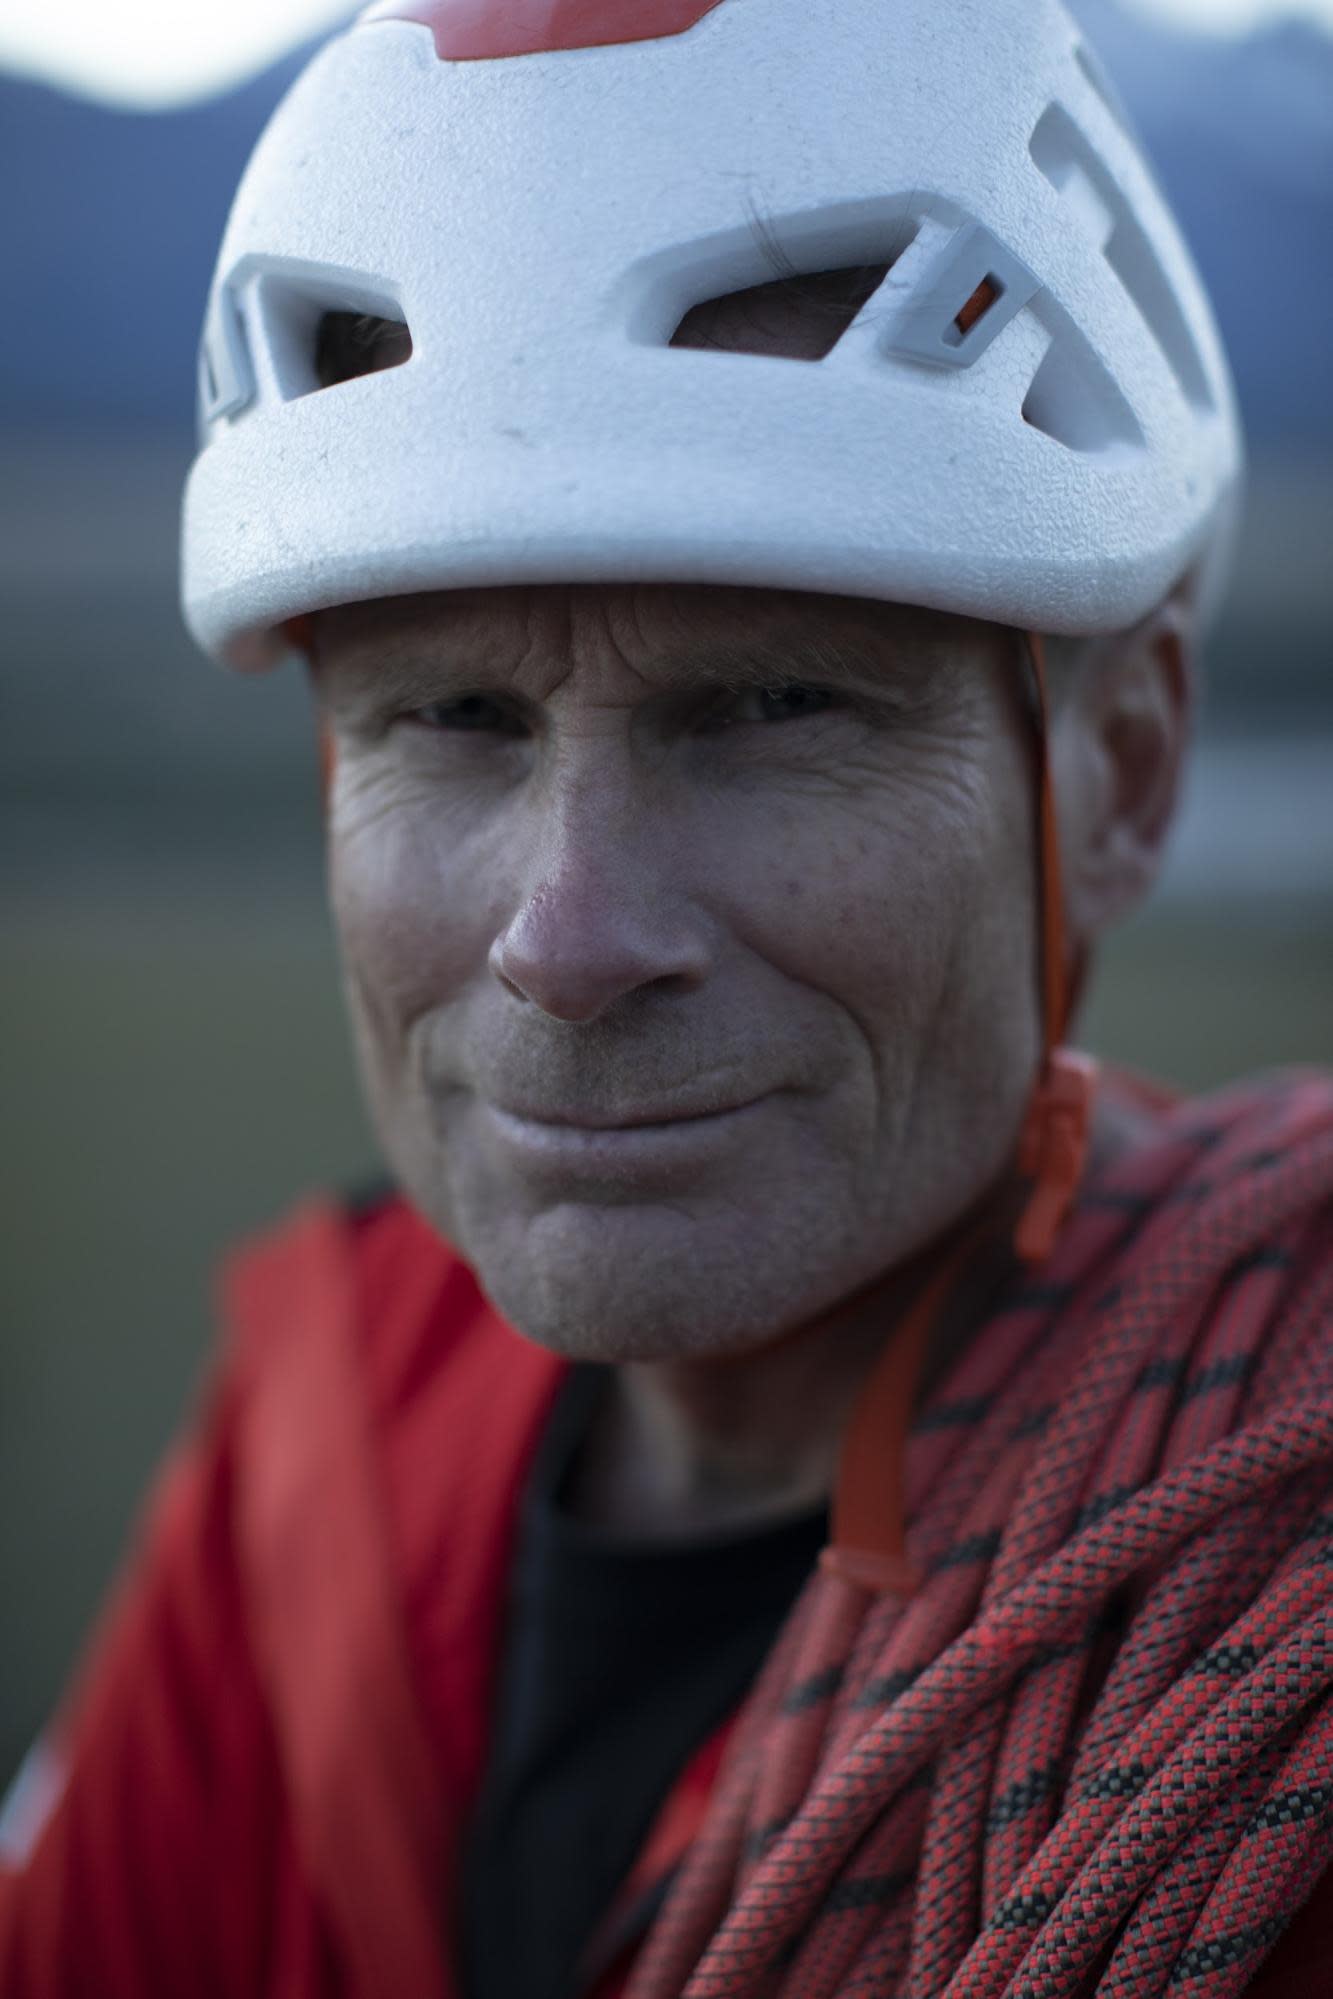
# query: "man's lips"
{"points": [[621, 1120], [668, 1148]]}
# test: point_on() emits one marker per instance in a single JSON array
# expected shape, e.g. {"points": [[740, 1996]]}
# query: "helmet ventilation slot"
{"points": [[1081, 177], [312, 328], [226, 367], [1074, 399], [1095, 71], [798, 317], [351, 344]]}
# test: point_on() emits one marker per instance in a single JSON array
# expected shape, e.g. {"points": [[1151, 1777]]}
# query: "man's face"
{"points": [[581, 870]]}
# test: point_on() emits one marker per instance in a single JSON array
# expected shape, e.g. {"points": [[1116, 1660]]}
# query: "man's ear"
{"points": [[1118, 743]]}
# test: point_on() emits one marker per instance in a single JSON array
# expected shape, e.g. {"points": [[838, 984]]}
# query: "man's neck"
{"points": [[691, 1447]]}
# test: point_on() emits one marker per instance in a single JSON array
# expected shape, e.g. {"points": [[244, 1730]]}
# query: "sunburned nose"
{"points": [[595, 928]]}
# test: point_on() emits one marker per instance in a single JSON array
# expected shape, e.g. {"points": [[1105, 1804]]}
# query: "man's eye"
{"points": [[472, 712], [780, 704]]}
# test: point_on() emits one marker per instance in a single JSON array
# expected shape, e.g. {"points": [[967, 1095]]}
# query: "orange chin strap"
{"points": [[328, 758], [299, 633], [867, 1549], [1053, 1146]]}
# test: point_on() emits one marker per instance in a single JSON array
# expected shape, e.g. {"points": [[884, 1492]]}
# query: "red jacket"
{"points": [[274, 1744]]}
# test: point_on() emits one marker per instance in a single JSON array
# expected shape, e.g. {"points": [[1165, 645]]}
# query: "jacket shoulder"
{"points": [[362, 1258]]}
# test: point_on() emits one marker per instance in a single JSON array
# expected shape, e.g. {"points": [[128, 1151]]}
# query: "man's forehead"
{"points": [[673, 635]]}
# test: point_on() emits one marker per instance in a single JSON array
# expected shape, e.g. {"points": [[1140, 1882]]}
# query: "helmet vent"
{"points": [[1094, 70], [226, 368], [797, 317], [351, 344], [1090, 191], [311, 326], [1074, 399]]}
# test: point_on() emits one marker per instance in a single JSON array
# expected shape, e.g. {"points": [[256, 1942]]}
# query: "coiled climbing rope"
{"points": [[1092, 1750]]}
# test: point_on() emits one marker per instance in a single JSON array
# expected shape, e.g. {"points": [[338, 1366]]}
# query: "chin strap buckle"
{"points": [[1053, 1148]]}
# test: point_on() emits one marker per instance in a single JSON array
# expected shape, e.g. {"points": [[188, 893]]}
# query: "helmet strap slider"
{"points": [[1053, 1148], [1057, 1128]]}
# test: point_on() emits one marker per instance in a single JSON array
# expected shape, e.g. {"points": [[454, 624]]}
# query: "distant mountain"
{"points": [[1241, 134], [109, 222]]}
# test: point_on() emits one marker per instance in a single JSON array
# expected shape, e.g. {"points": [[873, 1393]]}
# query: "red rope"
{"points": [[1095, 1745]]}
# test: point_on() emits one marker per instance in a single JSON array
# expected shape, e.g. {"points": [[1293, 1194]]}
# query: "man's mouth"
{"points": [[654, 1144], [636, 1118]]}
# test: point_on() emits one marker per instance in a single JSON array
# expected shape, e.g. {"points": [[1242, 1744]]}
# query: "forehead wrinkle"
{"points": [[680, 670]]}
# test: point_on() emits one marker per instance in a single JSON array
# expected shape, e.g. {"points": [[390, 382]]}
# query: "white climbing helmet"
{"points": [[542, 189]]}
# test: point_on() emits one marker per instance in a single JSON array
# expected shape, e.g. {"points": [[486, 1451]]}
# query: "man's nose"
{"points": [[605, 912]]}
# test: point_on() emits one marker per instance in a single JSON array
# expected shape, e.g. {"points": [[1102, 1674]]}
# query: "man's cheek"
{"points": [[389, 933], [877, 913]]}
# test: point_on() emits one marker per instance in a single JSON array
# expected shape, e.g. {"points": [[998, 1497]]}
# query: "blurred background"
{"points": [[176, 1067]]}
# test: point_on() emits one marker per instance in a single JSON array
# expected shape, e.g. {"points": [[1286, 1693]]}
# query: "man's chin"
{"points": [[644, 1283]]}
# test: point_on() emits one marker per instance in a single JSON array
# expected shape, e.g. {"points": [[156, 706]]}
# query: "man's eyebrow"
{"points": [[854, 663], [777, 660]]}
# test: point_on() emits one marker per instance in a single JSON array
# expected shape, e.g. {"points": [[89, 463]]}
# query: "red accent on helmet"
{"points": [[465, 30]]}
